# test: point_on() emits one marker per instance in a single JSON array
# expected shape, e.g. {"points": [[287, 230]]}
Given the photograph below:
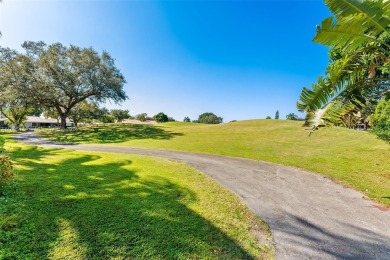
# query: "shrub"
{"points": [[187, 119], [382, 120], [142, 117], [209, 118], [160, 118], [6, 174]]}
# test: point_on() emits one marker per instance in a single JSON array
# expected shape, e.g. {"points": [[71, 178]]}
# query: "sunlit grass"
{"points": [[85, 205], [355, 158]]}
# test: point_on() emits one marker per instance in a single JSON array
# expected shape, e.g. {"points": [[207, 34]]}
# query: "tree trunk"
{"points": [[15, 127], [63, 121]]}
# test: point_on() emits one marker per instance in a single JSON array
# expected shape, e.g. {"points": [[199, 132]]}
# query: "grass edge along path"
{"points": [[352, 158], [88, 205]]}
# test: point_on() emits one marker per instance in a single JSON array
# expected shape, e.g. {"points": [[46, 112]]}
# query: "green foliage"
{"points": [[160, 118], [16, 74], [209, 118], [382, 120], [277, 114], [187, 119], [6, 165], [359, 37], [65, 76], [171, 119], [85, 112], [142, 117], [268, 117], [292, 116], [6, 174], [120, 114]]}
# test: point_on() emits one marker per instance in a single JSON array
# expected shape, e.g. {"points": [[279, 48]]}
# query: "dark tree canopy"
{"points": [[161, 118], [277, 114], [292, 116], [66, 76], [209, 118]]}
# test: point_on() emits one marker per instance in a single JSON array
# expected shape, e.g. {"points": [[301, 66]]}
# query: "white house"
{"points": [[38, 122]]}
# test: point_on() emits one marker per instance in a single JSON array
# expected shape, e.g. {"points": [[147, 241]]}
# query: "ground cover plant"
{"points": [[85, 205], [354, 158]]}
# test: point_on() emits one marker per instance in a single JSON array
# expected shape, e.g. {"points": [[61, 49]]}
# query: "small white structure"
{"points": [[41, 122], [37, 122]]}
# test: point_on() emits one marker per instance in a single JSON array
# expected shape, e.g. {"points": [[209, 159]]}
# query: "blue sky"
{"points": [[237, 59]]}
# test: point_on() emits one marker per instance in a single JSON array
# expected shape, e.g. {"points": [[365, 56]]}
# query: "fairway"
{"points": [[354, 158], [86, 205]]}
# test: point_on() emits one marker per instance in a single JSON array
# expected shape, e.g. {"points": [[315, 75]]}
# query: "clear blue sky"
{"points": [[237, 59]]}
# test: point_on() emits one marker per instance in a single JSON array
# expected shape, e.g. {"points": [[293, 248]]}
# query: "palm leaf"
{"points": [[347, 33], [375, 12], [331, 114]]}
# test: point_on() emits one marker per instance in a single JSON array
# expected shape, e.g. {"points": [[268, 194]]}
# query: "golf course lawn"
{"points": [[354, 158], [88, 205]]}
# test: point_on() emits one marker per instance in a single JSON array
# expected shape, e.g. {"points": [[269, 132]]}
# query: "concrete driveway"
{"points": [[310, 216]]}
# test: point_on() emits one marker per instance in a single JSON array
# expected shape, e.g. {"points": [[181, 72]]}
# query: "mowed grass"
{"points": [[354, 158], [85, 205]]}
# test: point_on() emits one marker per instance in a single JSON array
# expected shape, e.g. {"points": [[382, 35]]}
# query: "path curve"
{"points": [[310, 216]]}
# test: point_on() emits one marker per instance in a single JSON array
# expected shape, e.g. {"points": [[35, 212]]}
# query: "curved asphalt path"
{"points": [[310, 216]]}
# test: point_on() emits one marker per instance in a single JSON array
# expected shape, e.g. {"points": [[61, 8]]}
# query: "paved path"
{"points": [[310, 216]]}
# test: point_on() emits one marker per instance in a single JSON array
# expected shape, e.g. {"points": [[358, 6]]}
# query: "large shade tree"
{"points": [[358, 35], [16, 74], [66, 76]]}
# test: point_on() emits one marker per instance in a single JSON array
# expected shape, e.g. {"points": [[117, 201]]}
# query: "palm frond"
{"points": [[347, 33], [375, 12], [331, 114]]}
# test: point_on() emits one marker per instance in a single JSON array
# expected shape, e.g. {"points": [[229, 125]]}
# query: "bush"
{"points": [[142, 117], [187, 119], [6, 174], [160, 118], [209, 118], [382, 120]]}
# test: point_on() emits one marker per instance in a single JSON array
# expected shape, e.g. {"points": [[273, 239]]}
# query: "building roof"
{"points": [[37, 119]]}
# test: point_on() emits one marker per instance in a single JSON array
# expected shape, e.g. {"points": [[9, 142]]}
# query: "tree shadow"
{"points": [[344, 242], [113, 133], [80, 207]]}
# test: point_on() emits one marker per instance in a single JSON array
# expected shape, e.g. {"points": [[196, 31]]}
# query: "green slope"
{"points": [[87, 205], [355, 158]]}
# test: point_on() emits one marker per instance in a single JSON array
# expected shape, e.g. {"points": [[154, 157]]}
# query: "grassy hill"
{"points": [[87, 205], [354, 158]]}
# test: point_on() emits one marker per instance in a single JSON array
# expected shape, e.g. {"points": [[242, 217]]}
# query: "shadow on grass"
{"points": [[112, 133], [81, 209]]}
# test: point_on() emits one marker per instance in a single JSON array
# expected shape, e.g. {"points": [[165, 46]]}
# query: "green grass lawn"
{"points": [[354, 158], [87, 205]]}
